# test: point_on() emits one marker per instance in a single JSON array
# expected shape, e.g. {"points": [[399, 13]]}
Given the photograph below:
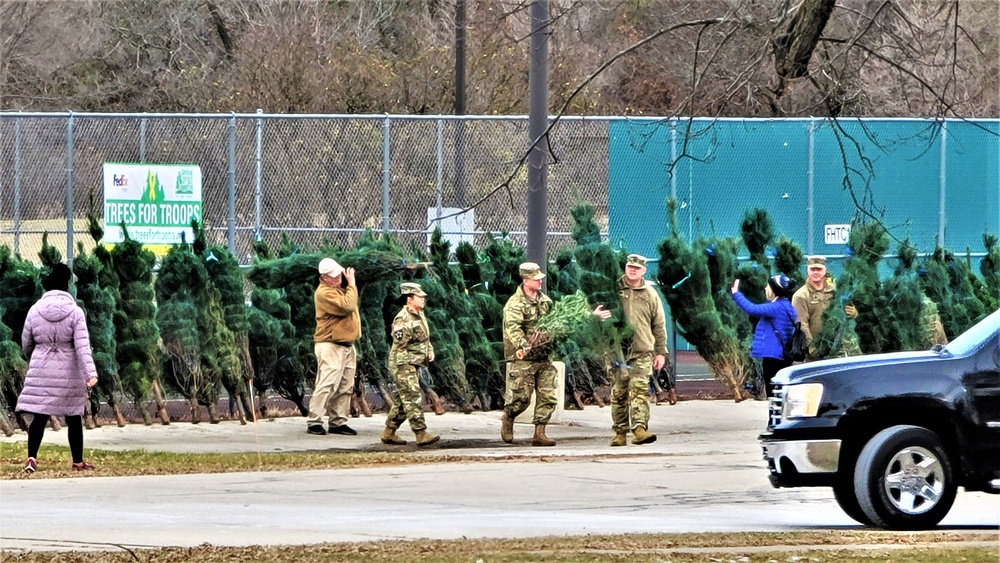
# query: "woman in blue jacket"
{"points": [[775, 325]]}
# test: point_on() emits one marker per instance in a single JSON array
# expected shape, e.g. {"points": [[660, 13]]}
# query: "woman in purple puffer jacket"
{"points": [[60, 366], [775, 325]]}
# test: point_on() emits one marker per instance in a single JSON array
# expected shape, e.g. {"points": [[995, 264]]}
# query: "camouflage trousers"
{"points": [[408, 404], [525, 377], [630, 395]]}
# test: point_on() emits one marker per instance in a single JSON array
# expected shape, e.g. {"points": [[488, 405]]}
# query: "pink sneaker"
{"points": [[31, 466], [83, 466]]}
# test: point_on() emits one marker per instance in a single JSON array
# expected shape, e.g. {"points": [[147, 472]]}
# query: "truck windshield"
{"points": [[972, 339]]}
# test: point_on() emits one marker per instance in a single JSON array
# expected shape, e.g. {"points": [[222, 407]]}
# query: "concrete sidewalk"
{"points": [[703, 474], [687, 427]]}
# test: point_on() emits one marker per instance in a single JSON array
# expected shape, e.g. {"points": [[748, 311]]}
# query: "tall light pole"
{"points": [[538, 114]]}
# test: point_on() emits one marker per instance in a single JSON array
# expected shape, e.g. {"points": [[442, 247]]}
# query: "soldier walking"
{"points": [[645, 353], [527, 371], [411, 351]]}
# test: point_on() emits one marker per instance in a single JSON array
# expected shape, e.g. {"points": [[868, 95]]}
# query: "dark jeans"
{"points": [[74, 425], [769, 367]]}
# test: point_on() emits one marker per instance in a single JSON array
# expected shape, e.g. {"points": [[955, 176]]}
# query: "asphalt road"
{"points": [[704, 474]]}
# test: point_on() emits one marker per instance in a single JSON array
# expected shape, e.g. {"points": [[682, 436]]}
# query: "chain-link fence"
{"points": [[932, 181], [314, 178]]}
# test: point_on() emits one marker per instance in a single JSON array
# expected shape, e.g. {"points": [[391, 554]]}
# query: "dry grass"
{"points": [[809, 547], [54, 461]]}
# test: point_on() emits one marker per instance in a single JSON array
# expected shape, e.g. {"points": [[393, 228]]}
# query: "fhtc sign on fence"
{"points": [[836, 234], [156, 202]]}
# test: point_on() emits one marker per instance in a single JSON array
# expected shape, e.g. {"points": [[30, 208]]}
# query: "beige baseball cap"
{"points": [[330, 267]]}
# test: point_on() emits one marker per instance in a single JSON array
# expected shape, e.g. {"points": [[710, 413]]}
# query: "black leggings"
{"points": [[769, 368], [74, 425]]}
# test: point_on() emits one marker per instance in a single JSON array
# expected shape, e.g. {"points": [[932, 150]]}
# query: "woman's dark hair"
{"points": [[58, 278]]}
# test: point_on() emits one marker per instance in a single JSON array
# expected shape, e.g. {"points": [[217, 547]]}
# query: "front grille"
{"points": [[775, 404]]}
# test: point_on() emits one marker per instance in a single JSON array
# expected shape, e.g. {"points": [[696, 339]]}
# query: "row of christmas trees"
{"points": [[893, 310], [191, 331]]}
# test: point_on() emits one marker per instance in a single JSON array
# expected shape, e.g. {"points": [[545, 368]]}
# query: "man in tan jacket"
{"points": [[646, 353], [338, 326], [813, 298]]}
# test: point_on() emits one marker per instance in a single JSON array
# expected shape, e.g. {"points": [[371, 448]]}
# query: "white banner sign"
{"points": [[836, 234]]}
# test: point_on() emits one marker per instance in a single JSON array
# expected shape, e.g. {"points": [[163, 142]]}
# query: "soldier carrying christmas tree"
{"points": [[530, 369]]}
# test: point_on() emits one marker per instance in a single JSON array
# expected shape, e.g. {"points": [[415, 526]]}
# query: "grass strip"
{"points": [[920, 547], [54, 461]]}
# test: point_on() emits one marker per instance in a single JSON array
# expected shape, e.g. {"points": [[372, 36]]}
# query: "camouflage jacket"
{"points": [[644, 312], [809, 304], [520, 316], [411, 339]]}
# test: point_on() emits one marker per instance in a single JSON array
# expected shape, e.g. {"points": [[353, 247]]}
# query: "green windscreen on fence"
{"points": [[919, 177]]}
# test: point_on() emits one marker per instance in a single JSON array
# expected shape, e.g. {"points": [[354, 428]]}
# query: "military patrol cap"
{"points": [[817, 261], [330, 267], [531, 271], [636, 260], [410, 288]]}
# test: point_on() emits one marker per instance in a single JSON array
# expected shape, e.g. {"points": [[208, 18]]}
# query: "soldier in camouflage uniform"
{"points": [[410, 352], [811, 301], [646, 352], [527, 372]]}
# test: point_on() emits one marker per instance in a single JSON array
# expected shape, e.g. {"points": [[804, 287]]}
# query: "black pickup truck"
{"points": [[894, 435]]}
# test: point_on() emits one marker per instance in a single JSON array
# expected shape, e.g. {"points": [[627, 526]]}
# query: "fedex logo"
{"points": [[119, 180]]}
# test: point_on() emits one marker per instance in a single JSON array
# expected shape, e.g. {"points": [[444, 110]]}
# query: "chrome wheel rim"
{"points": [[914, 480]]}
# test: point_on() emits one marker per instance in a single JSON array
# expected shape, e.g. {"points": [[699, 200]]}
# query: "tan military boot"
{"points": [[389, 437], [640, 436], [425, 439], [619, 440], [540, 439], [507, 429], [672, 397]]}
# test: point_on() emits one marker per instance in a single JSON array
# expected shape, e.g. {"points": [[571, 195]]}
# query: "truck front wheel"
{"points": [[904, 480]]}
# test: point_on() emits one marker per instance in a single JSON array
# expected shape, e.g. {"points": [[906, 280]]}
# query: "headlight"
{"points": [[802, 401]]}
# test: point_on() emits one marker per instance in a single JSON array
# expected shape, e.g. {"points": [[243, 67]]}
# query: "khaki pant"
{"points": [[335, 366]]}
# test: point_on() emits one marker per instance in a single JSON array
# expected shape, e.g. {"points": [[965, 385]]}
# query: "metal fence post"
{"points": [[810, 178], [69, 189], [673, 158], [258, 191], [17, 185], [385, 174], [440, 166], [942, 181], [231, 221]]}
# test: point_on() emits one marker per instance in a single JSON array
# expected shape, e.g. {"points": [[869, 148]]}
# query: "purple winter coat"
{"points": [[57, 344]]}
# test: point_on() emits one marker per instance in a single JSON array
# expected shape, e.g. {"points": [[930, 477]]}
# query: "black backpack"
{"points": [[796, 347]]}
